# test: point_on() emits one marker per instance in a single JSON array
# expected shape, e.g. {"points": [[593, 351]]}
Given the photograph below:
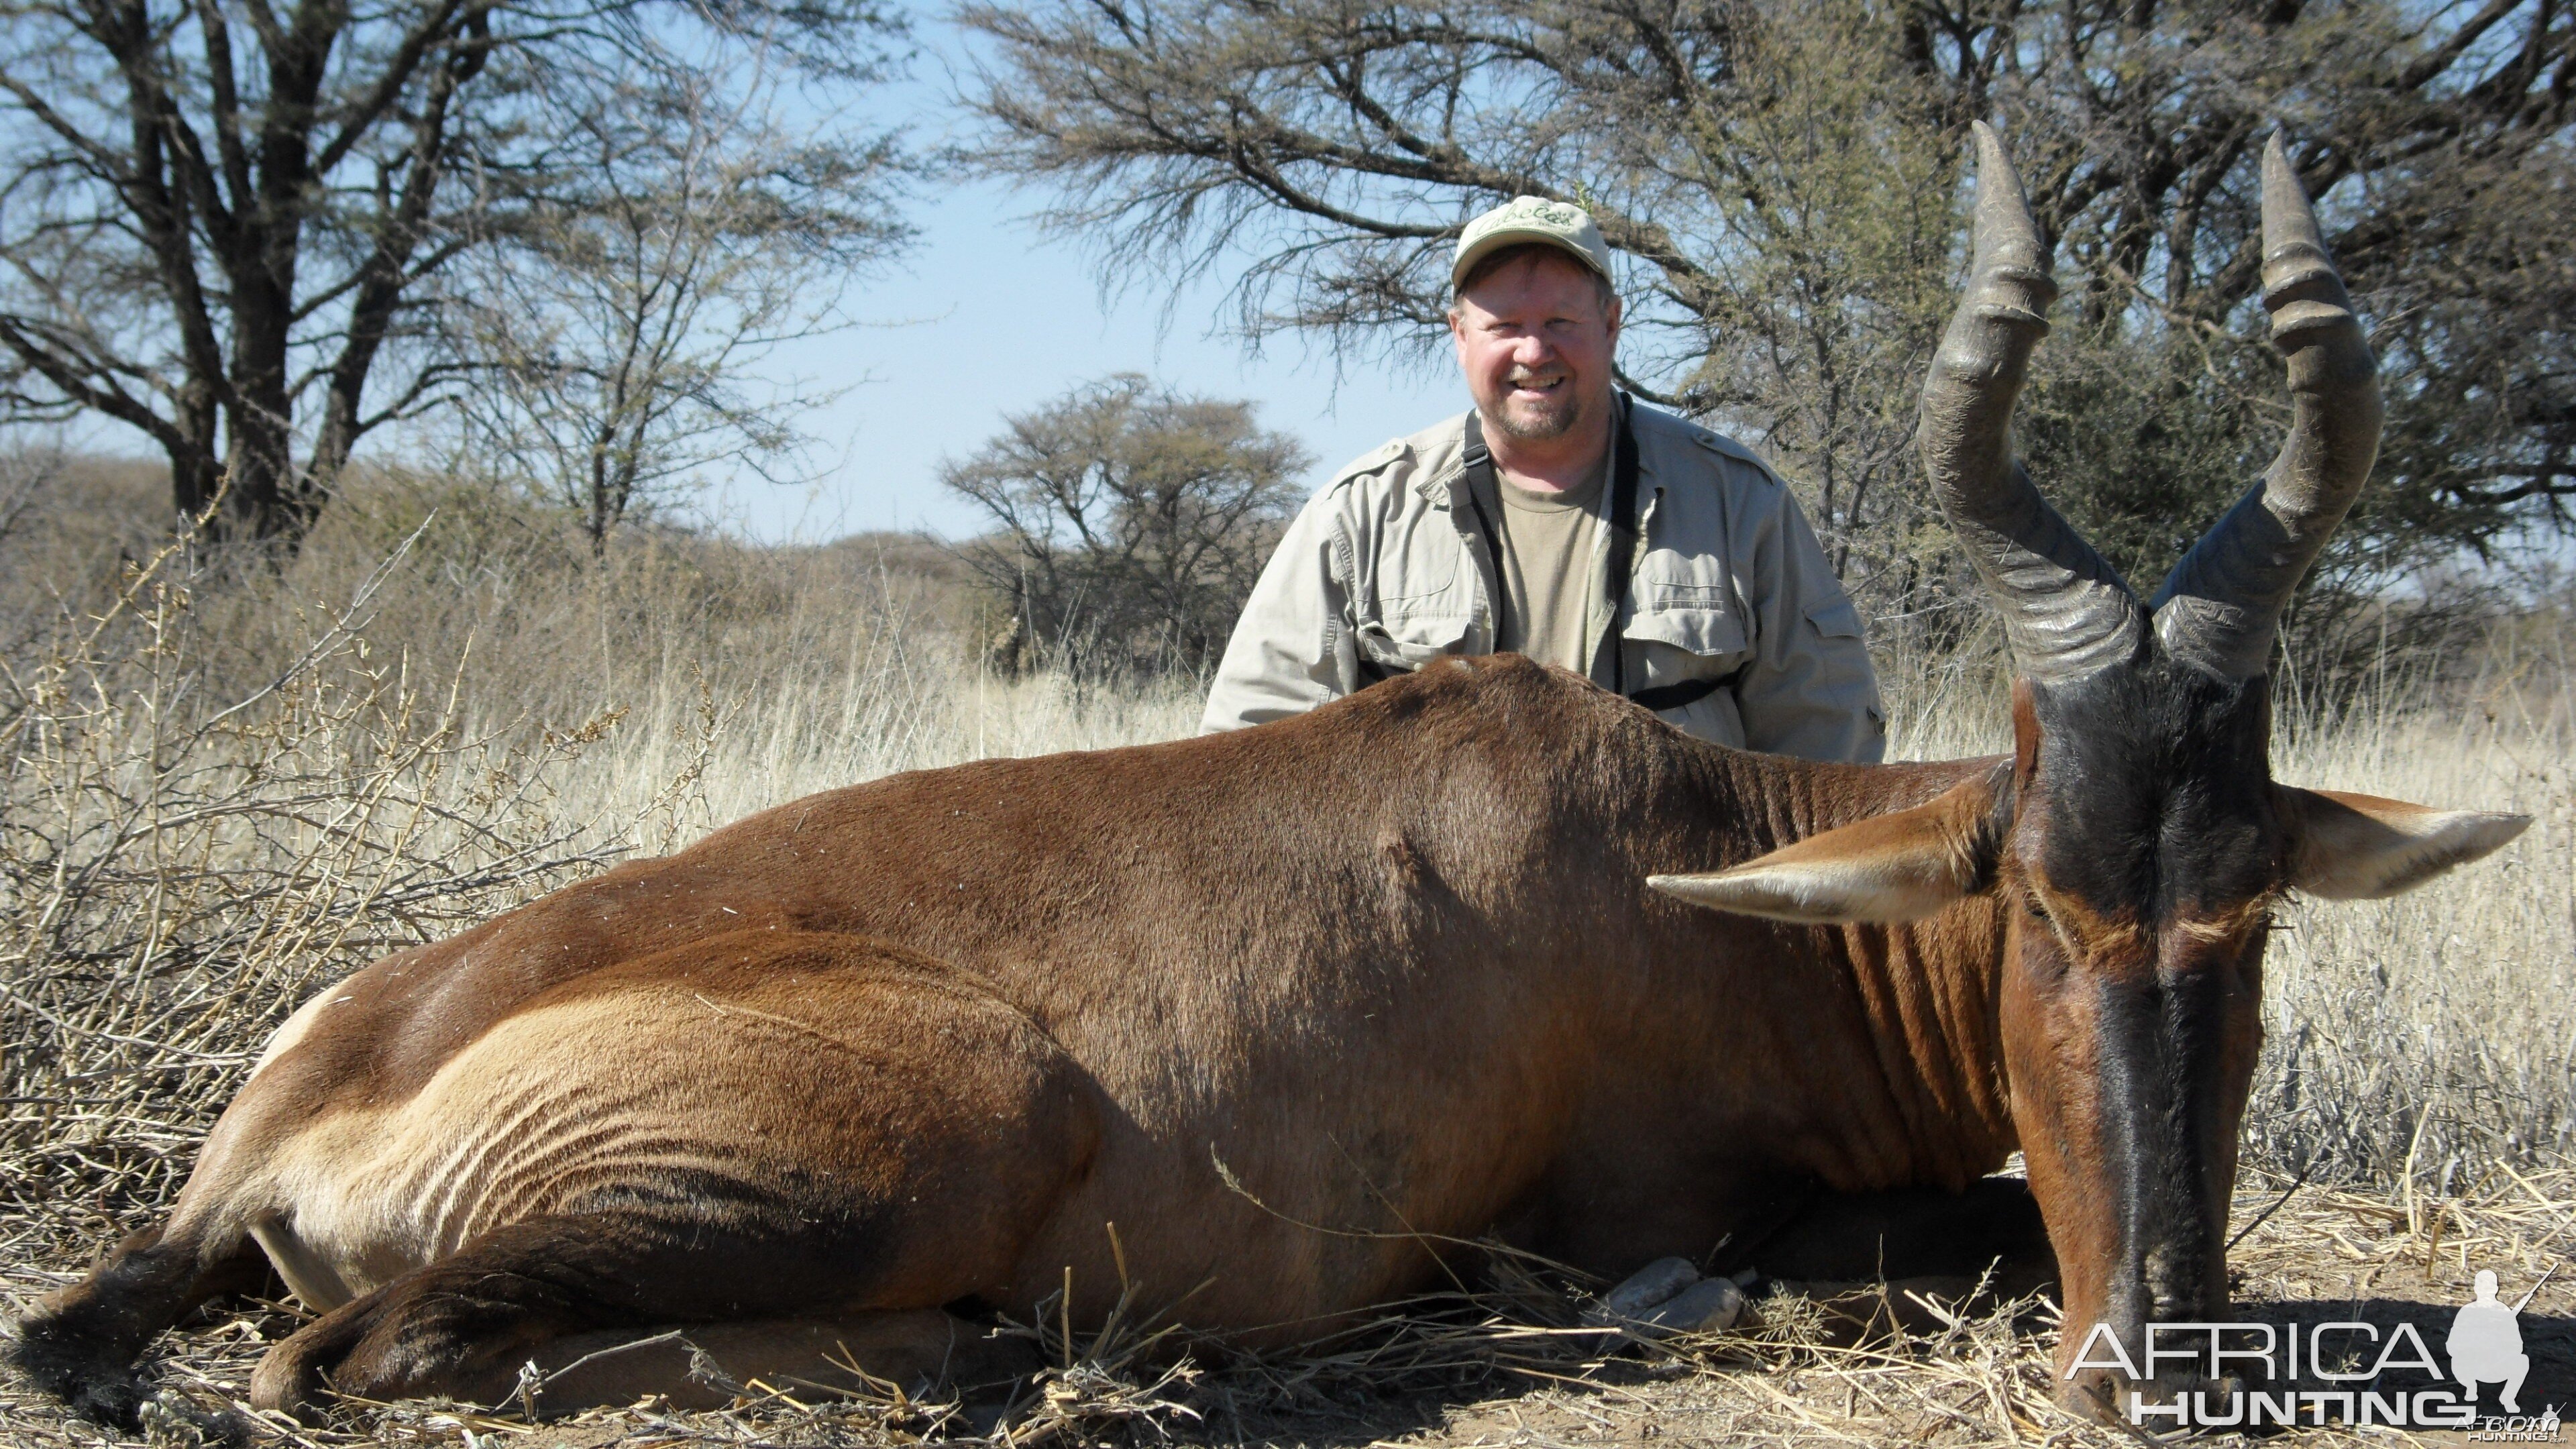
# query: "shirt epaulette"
{"points": [[1723, 446], [1726, 447], [1390, 451]]}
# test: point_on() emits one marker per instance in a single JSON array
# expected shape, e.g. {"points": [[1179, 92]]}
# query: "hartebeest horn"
{"points": [[2066, 612], [2221, 605]]}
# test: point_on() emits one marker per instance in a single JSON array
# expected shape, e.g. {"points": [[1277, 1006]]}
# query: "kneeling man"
{"points": [[1562, 520]]}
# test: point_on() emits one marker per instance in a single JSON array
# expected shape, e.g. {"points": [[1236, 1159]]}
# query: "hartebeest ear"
{"points": [[1896, 867], [2360, 847]]}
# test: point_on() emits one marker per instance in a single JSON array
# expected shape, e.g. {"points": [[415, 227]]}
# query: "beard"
{"points": [[1533, 422]]}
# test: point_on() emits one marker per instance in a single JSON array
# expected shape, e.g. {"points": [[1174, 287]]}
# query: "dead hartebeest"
{"points": [[832, 1082]]}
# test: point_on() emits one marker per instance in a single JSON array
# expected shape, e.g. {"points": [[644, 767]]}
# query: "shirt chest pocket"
{"points": [[1427, 612], [1443, 595], [1669, 580], [1684, 604], [1692, 630]]}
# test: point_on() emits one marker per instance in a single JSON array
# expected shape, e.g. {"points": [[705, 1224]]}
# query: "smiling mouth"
{"points": [[1538, 405]]}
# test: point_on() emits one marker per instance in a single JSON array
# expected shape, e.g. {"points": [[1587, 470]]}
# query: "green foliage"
{"points": [[2145, 439], [1132, 521]]}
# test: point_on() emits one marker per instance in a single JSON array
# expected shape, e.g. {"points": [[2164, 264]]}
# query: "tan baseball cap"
{"points": [[1531, 219]]}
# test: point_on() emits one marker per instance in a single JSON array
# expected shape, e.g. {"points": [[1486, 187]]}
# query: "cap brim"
{"points": [[1512, 236]]}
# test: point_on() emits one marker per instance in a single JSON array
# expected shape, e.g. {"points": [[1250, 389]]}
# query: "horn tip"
{"points": [[2278, 170], [2289, 218], [1989, 148]]}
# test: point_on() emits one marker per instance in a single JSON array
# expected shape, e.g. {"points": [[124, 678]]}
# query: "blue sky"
{"points": [[985, 317]]}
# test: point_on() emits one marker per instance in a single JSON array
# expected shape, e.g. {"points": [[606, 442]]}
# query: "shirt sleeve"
{"points": [[1292, 649], [1809, 689]]}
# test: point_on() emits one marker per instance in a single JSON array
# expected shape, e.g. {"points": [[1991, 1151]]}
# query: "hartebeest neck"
{"points": [[1902, 1022]]}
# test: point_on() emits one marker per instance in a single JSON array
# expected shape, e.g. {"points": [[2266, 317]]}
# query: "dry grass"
{"points": [[428, 741], [1508, 1365]]}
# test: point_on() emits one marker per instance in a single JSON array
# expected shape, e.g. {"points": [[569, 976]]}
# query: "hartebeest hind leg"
{"points": [[569, 1304], [792, 1143]]}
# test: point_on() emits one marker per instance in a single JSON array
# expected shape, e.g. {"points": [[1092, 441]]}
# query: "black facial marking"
{"points": [[2150, 812], [2164, 1135]]}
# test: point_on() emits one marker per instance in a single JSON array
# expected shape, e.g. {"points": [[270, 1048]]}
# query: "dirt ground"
{"points": [[1509, 1367]]}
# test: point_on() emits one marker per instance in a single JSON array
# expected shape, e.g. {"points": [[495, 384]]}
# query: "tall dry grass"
{"points": [[221, 788]]}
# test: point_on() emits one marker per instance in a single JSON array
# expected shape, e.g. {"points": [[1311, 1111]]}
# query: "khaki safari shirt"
{"points": [[1386, 570]]}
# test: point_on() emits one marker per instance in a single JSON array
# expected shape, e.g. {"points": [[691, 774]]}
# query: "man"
{"points": [[1564, 521]]}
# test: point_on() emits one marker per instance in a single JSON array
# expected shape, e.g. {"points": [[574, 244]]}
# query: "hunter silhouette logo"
{"points": [[2486, 1343]]}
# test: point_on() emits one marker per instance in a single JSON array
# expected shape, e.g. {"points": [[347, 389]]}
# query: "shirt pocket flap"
{"points": [[1835, 619], [1432, 597], [1695, 631], [1412, 641]]}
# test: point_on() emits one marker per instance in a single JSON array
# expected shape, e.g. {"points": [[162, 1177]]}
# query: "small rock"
{"points": [[1646, 1288], [1706, 1307]]}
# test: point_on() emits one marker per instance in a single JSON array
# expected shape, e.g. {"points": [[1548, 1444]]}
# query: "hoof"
{"points": [[1711, 1305], [1648, 1288], [63, 1363]]}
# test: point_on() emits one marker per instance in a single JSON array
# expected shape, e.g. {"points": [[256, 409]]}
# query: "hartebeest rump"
{"points": [[839, 1074]]}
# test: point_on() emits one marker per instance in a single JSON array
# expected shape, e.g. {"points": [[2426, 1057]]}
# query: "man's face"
{"points": [[1535, 343]]}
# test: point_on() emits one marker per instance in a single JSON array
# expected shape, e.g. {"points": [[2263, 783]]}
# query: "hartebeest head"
{"points": [[2136, 838]]}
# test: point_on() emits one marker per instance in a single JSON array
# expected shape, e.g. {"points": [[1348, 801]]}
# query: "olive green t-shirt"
{"points": [[1546, 553]]}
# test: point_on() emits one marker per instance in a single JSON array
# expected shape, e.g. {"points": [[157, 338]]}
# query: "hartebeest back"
{"points": [[834, 1081]]}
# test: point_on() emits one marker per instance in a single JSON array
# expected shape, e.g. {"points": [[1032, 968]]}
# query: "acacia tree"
{"points": [[618, 320], [1781, 183], [1130, 523], [227, 225]]}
